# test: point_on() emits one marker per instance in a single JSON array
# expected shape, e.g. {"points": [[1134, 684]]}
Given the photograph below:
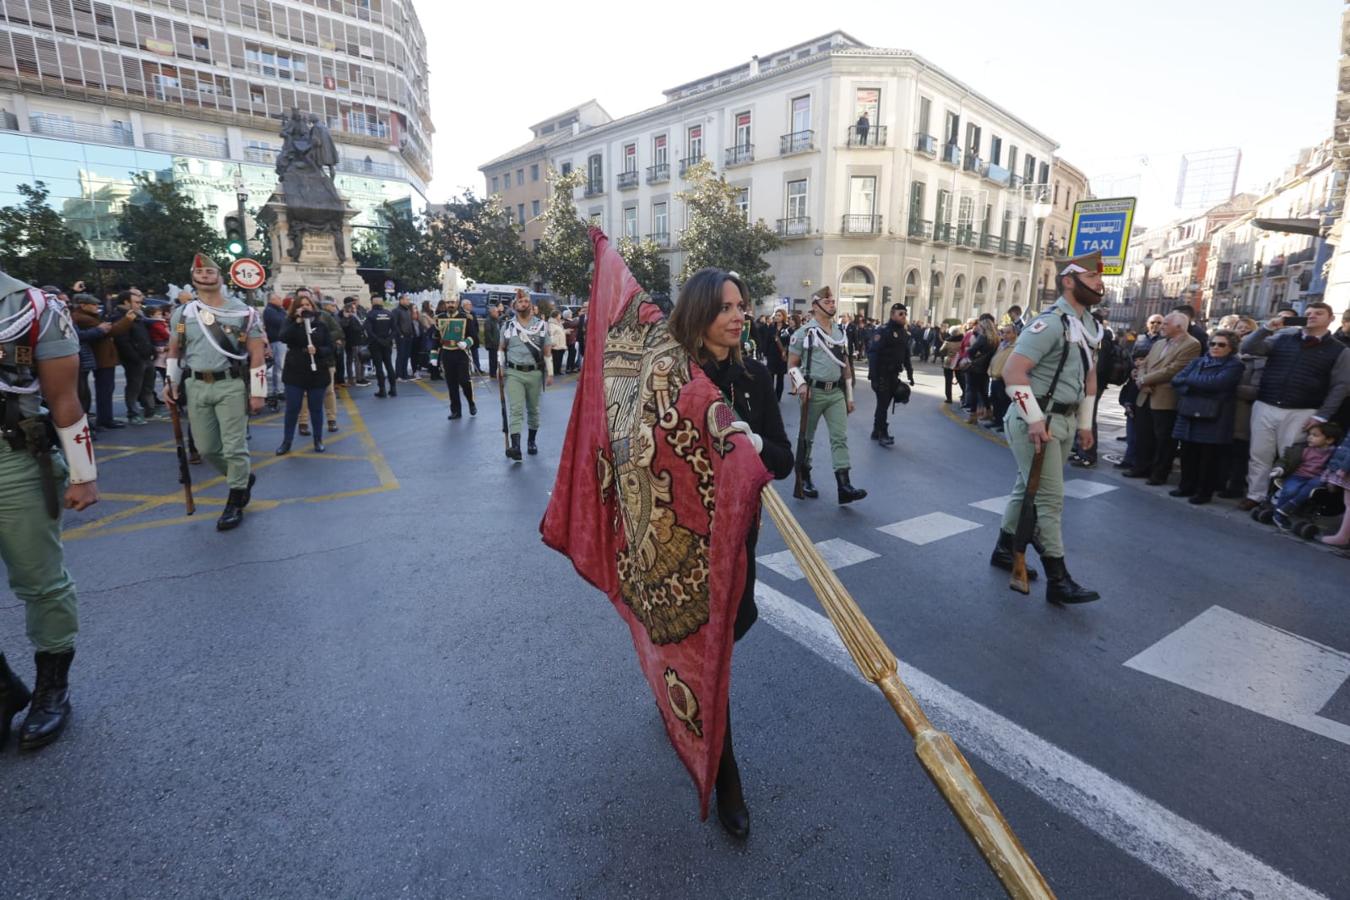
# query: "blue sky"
{"points": [[1125, 88]]}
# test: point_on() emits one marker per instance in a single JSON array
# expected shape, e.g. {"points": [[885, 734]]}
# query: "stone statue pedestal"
{"points": [[319, 266]]}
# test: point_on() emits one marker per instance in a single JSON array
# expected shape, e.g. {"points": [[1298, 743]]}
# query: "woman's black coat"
{"points": [[296, 371]]}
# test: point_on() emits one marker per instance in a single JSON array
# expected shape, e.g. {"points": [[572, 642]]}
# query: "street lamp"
{"points": [[1140, 313], [1039, 210]]}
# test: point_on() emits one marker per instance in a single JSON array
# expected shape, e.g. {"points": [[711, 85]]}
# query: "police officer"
{"points": [[890, 357], [455, 360], [380, 341], [217, 343], [827, 381], [1052, 385], [42, 456], [527, 366]]}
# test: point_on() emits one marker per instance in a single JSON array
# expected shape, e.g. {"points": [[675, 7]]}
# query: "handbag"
{"points": [[1199, 406]]}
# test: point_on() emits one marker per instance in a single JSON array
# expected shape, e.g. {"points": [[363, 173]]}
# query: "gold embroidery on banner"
{"points": [[683, 702]]}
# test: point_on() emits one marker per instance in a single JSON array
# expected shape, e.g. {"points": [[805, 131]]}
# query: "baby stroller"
{"points": [[1310, 519]]}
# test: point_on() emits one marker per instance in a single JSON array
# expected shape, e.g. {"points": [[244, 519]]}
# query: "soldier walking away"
{"points": [[217, 343], [1052, 385], [828, 374], [42, 455], [380, 340], [456, 343], [526, 364], [890, 358]]}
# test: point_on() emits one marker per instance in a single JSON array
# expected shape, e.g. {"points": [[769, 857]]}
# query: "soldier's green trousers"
{"points": [[219, 416], [833, 405], [30, 543], [522, 396], [1050, 497]]}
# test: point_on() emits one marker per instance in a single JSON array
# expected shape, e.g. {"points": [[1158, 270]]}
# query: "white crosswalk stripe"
{"points": [[927, 529], [836, 552], [994, 505], [1082, 489]]}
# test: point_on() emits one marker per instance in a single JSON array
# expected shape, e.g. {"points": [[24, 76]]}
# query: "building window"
{"points": [[1055, 201], [694, 143], [520, 212], [925, 114], [597, 219], [630, 226], [862, 195], [534, 208], [506, 179], [1012, 158], [973, 135], [495, 185], [534, 172], [520, 176], [743, 202], [943, 215], [537, 244], [659, 150], [510, 216], [567, 168], [801, 114], [743, 130], [660, 219], [630, 157], [916, 191], [952, 133], [996, 150], [1045, 173], [867, 100], [797, 200], [595, 173]]}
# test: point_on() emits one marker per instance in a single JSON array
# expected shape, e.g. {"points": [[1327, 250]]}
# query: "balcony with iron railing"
{"points": [[190, 146], [855, 223], [920, 228], [660, 238], [951, 154], [628, 180], [973, 163], [51, 126], [942, 232], [990, 243], [1022, 250], [739, 155], [796, 142], [594, 188], [795, 226], [927, 145], [997, 174], [966, 236], [658, 173], [874, 136], [262, 155], [372, 168], [689, 162], [1005, 246]]}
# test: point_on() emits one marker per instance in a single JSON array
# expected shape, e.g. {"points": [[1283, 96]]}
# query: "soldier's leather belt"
{"points": [[825, 385], [512, 365], [1060, 409], [212, 377]]}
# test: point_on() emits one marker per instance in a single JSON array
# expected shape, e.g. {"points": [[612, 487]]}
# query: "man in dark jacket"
{"points": [[86, 317], [380, 338], [354, 335], [137, 354], [492, 336], [405, 320], [889, 356], [274, 319], [1305, 380]]}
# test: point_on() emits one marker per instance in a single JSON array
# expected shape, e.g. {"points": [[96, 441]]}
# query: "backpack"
{"points": [[1118, 363]]}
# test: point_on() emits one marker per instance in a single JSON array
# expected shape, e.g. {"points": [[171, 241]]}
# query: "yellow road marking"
{"points": [[982, 432]]}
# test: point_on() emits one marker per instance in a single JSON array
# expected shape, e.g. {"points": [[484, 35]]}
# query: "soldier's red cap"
{"points": [[202, 261], [1088, 262]]}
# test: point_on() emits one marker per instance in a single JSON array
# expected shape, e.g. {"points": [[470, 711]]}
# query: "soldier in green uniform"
{"points": [[1052, 384], [217, 343], [527, 365], [822, 374], [43, 455]]}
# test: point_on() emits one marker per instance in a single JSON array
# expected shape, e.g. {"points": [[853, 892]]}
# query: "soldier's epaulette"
{"points": [[1043, 321]]}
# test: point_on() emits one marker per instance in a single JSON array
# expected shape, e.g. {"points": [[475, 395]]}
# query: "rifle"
{"points": [[184, 471], [1026, 521], [501, 394], [801, 426]]}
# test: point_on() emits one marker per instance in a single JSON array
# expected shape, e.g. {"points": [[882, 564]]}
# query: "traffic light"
{"points": [[234, 236], [886, 294]]}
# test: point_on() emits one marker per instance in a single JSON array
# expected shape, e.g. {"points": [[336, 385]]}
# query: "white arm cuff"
{"points": [[1085, 410], [548, 363], [798, 380], [1024, 401], [78, 446], [848, 387], [173, 367], [257, 382]]}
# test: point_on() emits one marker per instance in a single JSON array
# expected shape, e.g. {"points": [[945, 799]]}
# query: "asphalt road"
{"points": [[384, 684]]}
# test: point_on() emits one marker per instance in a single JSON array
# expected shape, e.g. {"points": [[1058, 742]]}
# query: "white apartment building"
{"points": [[929, 201]]}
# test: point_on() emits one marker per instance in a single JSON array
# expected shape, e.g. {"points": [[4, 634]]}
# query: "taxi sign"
{"points": [[248, 273], [1103, 225]]}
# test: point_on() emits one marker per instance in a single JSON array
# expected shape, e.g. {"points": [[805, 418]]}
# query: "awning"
{"points": [[1290, 226]]}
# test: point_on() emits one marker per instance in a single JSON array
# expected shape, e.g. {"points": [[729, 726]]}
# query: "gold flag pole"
{"points": [[936, 750]]}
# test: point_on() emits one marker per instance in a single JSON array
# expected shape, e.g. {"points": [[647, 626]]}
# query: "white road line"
{"points": [[927, 529], [837, 553], [1253, 665], [1191, 857], [994, 504], [1083, 489]]}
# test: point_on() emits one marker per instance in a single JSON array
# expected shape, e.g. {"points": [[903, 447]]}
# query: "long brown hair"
{"points": [[698, 306], [294, 312]]}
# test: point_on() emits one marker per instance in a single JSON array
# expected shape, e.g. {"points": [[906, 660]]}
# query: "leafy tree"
{"points": [[262, 234], [369, 251], [161, 228], [565, 255], [649, 265], [478, 237], [413, 257], [718, 234], [35, 244]]}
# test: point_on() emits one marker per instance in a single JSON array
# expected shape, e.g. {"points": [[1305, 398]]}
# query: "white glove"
{"points": [[797, 378], [463, 345], [744, 428]]}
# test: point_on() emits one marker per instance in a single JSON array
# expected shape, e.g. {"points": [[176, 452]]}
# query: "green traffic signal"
{"points": [[236, 248], [234, 235]]}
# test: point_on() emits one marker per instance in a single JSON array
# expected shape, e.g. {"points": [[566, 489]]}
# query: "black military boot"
{"points": [[233, 513], [808, 489], [51, 701], [1060, 586], [14, 697], [530, 446], [731, 810], [847, 492], [513, 452], [1002, 557], [886, 439], [252, 480], [473, 408], [876, 433]]}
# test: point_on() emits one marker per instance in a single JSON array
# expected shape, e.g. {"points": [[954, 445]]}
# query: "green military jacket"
{"points": [[19, 352], [1043, 342], [238, 321], [826, 352]]}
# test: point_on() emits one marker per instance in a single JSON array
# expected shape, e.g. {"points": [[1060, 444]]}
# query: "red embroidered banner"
{"points": [[654, 499]]}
